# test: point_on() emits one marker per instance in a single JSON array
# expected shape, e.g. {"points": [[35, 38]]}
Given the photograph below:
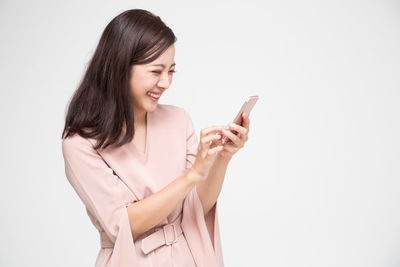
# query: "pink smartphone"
{"points": [[246, 108]]}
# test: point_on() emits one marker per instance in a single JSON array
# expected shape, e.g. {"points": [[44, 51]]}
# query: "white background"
{"points": [[317, 183]]}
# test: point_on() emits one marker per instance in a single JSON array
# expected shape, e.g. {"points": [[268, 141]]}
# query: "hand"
{"points": [[207, 151], [235, 142]]}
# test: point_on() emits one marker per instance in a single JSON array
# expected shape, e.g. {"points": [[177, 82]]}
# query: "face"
{"points": [[154, 77]]}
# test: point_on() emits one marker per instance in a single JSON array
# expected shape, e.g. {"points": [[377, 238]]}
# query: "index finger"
{"points": [[211, 129]]}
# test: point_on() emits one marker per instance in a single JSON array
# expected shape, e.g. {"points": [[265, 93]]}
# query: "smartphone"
{"points": [[246, 108]]}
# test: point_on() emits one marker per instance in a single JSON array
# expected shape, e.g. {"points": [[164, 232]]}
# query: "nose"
{"points": [[164, 81]]}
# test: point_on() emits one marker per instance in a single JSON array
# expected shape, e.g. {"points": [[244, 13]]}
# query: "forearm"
{"points": [[209, 189], [147, 213]]}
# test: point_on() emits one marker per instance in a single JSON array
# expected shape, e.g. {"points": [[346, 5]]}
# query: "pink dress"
{"points": [[108, 180]]}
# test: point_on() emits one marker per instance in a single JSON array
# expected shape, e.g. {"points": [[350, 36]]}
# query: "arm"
{"points": [[147, 213], [105, 195], [209, 189]]}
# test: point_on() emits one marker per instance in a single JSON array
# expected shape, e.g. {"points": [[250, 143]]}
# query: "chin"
{"points": [[152, 107]]}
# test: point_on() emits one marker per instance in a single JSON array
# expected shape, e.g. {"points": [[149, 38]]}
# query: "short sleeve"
{"points": [[103, 193]]}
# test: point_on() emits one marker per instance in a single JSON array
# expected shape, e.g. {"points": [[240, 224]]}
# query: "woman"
{"points": [[148, 185]]}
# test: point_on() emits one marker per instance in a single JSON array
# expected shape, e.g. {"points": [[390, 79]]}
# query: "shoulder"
{"points": [[73, 144], [172, 111]]}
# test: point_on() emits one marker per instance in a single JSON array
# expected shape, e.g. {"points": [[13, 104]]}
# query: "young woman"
{"points": [[148, 185]]}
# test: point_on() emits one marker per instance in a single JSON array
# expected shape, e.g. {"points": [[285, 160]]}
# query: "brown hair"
{"points": [[102, 105]]}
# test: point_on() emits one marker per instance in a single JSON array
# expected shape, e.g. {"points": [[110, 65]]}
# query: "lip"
{"points": [[155, 93], [154, 99]]}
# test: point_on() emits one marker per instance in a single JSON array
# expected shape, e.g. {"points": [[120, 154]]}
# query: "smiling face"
{"points": [[154, 77]]}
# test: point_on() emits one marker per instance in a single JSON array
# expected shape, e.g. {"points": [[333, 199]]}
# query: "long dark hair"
{"points": [[102, 105]]}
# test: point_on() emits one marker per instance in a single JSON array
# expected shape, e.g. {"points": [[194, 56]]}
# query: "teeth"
{"points": [[153, 95]]}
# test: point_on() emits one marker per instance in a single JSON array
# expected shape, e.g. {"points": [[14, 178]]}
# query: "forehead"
{"points": [[166, 59]]}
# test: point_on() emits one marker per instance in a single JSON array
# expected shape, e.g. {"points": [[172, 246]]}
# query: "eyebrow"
{"points": [[162, 65]]}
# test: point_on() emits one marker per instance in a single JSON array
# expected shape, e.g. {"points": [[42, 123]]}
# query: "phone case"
{"points": [[246, 108]]}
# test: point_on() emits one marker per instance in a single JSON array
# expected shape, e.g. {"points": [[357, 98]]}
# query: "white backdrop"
{"points": [[317, 183]]}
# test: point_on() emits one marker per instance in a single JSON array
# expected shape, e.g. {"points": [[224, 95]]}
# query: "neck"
{"points": [[140, 118]]}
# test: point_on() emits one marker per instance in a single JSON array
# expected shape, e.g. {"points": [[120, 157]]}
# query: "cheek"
{"points": [[140, 85], [149, 83]]}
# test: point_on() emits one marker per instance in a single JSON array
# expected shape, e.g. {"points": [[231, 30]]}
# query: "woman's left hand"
{"points": [[235, 141]]}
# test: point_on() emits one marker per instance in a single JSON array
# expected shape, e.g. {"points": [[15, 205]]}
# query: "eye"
{"points": [[159, 72]]}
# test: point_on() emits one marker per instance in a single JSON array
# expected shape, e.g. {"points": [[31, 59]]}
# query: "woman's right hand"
{"points": [[207, 151]]}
